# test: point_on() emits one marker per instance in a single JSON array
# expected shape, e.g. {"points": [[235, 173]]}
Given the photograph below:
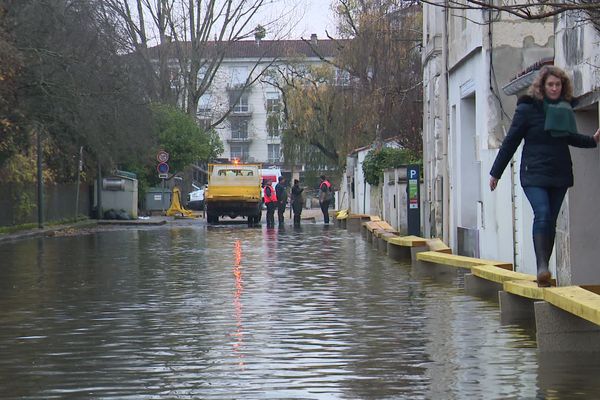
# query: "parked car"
{"points": [[196, 200]]}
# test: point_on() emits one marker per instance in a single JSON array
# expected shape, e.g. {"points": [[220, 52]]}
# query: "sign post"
{"points": [[413, 177], [163, 172]]}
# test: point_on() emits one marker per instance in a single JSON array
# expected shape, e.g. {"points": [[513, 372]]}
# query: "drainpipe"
{"points": [[40, 178], [99, 192], [446, 131], [513, 204], [364, 197]]}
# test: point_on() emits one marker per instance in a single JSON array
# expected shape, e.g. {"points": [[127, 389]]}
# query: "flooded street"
{"points": [[229, 312]]}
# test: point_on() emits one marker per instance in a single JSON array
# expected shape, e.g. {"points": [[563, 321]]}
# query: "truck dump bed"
{"points": [[233, 190]]}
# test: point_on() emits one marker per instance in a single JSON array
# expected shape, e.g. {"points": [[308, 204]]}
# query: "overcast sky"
{"points": [[311, 16], [318, 18]]}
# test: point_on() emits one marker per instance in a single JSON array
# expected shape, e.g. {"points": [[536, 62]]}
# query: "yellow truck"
{"points": [[234, 190]]}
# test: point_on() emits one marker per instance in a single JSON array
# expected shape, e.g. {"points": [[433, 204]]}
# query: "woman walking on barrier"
{"points": [[544, 119]]}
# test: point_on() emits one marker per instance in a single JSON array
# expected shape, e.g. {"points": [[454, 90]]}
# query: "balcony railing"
{"points": [[239, 138], [273, 139], [241, 112], [233, 87]]}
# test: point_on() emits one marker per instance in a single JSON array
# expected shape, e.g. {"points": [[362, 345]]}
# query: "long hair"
{"points": [[536, 90]]}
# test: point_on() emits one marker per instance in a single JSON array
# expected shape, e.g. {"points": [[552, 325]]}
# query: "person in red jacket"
{"points": [[325, 196], [270, 199]]}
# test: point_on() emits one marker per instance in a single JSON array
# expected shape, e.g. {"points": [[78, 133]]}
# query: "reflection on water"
{"points": [[235, 313]]}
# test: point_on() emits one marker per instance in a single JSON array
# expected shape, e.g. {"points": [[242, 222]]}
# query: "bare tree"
{"points": [[321, 114], [527, 9], [380, 55], [181, 43]]}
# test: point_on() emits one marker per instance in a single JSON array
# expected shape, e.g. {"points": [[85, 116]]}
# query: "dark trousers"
{"points": [[280, 212], [545, 202], [297, 209], [271, 214], [325, 210]]}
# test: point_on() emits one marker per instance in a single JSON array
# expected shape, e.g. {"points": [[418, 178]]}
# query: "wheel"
{"points": [[259, 214], [212, 218]]}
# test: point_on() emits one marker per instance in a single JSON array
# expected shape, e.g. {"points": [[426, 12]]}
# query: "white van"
{"points": [[271, 174]]}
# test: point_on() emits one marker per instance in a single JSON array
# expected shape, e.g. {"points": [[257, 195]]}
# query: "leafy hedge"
{"points": [[377, 160]]}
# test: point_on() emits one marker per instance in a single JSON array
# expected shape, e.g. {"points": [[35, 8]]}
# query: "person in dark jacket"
{"points": [[282, 196], [545, 120], [297, 201]]}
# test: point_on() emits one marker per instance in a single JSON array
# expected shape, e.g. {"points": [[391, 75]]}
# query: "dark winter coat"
{"points": [[546, 160], [297, 200], [281, 191]]}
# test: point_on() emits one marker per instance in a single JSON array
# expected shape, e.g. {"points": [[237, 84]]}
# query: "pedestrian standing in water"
{"points": [[297, 201], [270, 199], [325, 197], [282, 196], [545, 120]]}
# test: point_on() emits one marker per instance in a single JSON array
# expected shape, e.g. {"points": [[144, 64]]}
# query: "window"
{"points": [[202, 72], [204, 123], [239, 129], [242, 105], [204, 103], [239, 75], [274, 153], [273, 105], [273, 113], [342, 77], [273, 102], [273, 124], [174, 76], [240, 151]]}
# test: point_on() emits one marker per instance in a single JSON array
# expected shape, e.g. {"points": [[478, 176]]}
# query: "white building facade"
{"points": [[251, 132], [578, 53], [468, 56]]}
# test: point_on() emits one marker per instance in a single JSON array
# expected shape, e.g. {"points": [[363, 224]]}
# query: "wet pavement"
{"points": [[190, 311]]}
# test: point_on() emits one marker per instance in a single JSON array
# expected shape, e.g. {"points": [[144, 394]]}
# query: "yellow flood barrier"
{"points": [[438, 245], [407, 241], [527, 289], [176, 208], [342, 214], [500, 275], [575, 300], [454, 260]]}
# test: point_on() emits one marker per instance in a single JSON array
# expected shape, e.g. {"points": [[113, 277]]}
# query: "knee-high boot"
{"points": [[549, 247], [543, 249]]}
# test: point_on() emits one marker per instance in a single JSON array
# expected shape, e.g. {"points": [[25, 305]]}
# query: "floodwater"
{"points": [[229, 312]]}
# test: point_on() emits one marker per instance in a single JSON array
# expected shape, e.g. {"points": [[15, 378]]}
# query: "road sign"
{"points": [[162, 168], [162, 156], [163, 176]]}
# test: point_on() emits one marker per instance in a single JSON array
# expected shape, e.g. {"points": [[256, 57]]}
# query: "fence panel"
{"points": [[18, 203]]}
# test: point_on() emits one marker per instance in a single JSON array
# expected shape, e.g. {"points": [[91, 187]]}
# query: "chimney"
{"points": [[313, 39], [257, 38]]}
